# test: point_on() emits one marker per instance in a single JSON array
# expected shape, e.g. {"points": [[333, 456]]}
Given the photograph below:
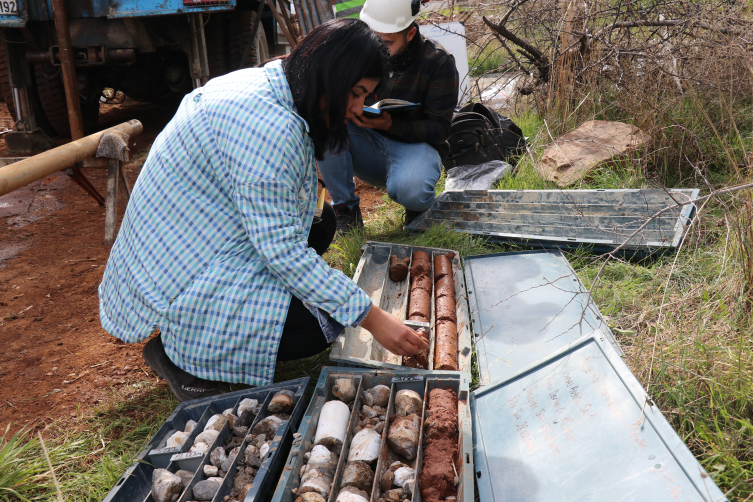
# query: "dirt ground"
{"points": [[52, 257]]}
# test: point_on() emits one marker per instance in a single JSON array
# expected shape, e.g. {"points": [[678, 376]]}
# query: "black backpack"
{"points": [[479, 135]]}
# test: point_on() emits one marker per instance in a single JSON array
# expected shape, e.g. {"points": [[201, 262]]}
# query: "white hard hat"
{"points": [[390, 16]]}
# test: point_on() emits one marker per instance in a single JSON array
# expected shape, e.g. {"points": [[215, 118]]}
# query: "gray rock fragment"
{"points": [[185, 476], [240, 430], [282, 402], [205, 490], [229, 460], [217, 457], [165, 485]]}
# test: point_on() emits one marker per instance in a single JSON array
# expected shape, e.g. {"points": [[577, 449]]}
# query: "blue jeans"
{"points": [[409, 171]]}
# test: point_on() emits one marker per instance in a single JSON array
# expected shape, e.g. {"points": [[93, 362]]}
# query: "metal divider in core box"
{"points": [[364, 379], [135, 485], [356, 347]]}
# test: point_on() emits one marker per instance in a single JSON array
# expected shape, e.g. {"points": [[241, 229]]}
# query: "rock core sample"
{"points": [[438, 481], [419, 305], [446, 347]]}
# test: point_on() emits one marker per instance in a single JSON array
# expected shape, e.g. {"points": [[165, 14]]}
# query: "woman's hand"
{"points": [[382, 122], [392, 333]]}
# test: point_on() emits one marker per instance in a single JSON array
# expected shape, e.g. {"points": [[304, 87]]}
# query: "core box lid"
{"points": [[578, 426], [524, 306], [559, 416]]}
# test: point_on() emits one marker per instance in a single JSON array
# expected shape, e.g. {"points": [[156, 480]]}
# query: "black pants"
{"points": [[302, 336]]}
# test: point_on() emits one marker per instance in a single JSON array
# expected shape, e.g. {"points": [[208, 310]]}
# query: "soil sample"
{"points": [[438, 481], [419, 303], [421, 264], [398, 268], [419, 306], [443, 265], [446, 347], [420, 360]]}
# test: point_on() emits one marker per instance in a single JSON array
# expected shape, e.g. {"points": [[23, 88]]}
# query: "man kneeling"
{"points": [[402, 153]]}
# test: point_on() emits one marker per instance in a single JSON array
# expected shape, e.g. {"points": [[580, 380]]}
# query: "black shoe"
{"points": [[409, 216], [347, 218], [182, 384]]}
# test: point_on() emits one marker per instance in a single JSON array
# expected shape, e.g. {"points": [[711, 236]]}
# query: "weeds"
{"points": [[23, 470]]}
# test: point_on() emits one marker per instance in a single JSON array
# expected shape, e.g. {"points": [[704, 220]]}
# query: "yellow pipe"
{"points": [[23, 172], [320, 202]]}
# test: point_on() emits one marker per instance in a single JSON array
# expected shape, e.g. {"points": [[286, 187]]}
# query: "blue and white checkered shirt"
{"points": [[214, 240]]}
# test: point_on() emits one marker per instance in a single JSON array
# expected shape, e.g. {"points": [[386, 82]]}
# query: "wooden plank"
{"points": [[111, 202], [125, 187]]}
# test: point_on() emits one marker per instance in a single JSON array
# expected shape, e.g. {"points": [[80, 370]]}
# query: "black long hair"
{"points": [[329, 62]]}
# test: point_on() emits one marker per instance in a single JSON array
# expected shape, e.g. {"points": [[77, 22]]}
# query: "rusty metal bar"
{"points": [[304, 17], [37, 167], [69, 72], [291, 25], [281, 23], [53, 57]]}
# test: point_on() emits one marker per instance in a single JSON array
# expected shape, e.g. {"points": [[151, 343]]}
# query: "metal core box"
{"points": [[602, 219], [396, 380], [357, 347], [135, 485]]}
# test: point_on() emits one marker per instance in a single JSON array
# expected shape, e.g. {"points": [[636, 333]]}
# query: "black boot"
{"points": [[347, 218], [182, 384]]}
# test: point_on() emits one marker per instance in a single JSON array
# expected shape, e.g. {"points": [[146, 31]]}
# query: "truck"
{"points": [[144, 48]]}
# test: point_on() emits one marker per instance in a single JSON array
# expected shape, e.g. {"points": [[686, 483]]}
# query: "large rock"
{"points": [[596, 142], [205, 490], [166, 486]]}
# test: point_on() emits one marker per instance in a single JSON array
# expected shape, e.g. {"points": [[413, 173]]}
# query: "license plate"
{"points": [[9, 7]]}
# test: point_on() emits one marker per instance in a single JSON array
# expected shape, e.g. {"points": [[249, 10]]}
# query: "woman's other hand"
{"points": [[392, 333]]}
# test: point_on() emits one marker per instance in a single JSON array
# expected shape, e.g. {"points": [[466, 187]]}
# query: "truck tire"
{"points": [[216, 32], [241, 24], [52, 97], [5, 87]]}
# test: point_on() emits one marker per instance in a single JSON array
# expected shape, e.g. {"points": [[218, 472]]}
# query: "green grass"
{"points": [[487, 60]]}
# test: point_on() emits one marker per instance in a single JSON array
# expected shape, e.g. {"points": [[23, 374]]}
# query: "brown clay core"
{"points": [[445, 287], [398, 268], [442, 267], [446, 346], [419, 302], [437, 479], [421, 264], [420, 360], [446, 309], [418, 317], [419, 306], [422, 282]]}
